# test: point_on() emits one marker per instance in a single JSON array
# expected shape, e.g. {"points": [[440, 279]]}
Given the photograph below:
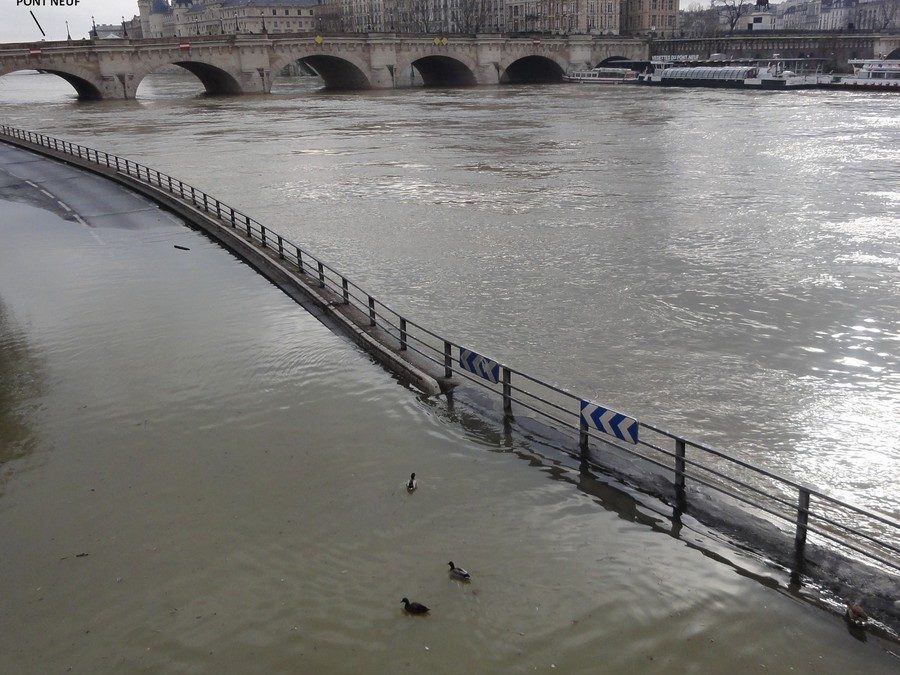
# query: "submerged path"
{"points": [[201, 475]]}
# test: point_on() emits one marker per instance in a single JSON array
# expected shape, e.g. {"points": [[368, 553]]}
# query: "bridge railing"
{"points": [[799, 510]]}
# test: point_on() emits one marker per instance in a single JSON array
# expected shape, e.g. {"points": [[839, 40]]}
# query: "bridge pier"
{"points": [[256, 81], [382, 77], [580, 52], [488, 73]]}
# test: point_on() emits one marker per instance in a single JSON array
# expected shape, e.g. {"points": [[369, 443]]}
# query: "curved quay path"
{"points": [[197, 447]]}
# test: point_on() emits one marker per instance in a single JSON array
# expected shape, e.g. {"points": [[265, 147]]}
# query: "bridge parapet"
{"points": [[234, 64]]}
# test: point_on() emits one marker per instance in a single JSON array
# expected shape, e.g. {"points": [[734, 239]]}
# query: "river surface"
{"points": [[198, 477], [724, 264]]}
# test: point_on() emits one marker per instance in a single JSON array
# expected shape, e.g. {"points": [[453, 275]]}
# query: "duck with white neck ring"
{"points": [[412, 483]]}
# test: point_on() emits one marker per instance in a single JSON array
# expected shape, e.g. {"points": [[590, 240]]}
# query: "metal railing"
{"points": [[798, 509]]}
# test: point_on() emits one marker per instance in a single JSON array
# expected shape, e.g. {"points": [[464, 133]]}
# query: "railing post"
{"points": [[583, 437], [321, 275], [262, 235], [346, 290], [218, 209], [371, 311], [247, 220], [193, 196], [280, 247], [169, 179], [448, 359], [679, 474], [802, 520], [205, 204], [402, 334], [233, 224], [507, 392], [117, 162]]}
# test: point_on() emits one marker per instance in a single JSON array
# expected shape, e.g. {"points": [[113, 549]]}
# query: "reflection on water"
{"points": [[21, 375], [221, 489]]}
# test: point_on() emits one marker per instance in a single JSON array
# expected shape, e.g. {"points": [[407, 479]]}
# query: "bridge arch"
{"points": [[85, 87], [533, 69], [338, 72], [894, 54], [440, 70], [217, 81]]}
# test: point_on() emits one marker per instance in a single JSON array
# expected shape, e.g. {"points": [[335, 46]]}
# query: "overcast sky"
{"points": [[16, 24]]}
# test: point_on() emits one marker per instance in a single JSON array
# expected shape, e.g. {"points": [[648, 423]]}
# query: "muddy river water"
{"points": [[199, 477]]}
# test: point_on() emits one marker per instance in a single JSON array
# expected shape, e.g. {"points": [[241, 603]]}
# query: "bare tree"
{"points": [[421, 15], [886, 12], [469, 16], [698, 21], [732, 10]]}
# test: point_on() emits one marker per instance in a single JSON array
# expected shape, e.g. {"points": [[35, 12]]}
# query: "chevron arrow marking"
{"points": [[609, 422], [480, 365]]}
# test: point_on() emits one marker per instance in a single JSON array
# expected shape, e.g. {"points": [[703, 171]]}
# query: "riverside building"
{"points": [[167, 18], [186, 17]]}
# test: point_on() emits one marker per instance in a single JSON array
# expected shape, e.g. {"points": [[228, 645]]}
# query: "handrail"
{"points": [[544, 399]]}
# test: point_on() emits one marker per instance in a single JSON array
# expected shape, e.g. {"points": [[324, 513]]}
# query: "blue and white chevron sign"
{"points": [[609, 422], [480, 365]]}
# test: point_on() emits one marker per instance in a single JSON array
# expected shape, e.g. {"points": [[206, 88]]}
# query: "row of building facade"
{"points": [[168, 18], [797, 15], [838, 15]]}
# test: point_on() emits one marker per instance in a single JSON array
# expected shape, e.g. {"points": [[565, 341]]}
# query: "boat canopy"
{"points": [[710, 73]]}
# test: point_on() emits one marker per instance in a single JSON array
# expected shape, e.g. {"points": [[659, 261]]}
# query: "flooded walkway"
{"points": [[197, 476]]}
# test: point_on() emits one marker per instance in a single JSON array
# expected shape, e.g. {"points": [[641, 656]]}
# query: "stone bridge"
{"points": [[236, 64], [835, 48]]}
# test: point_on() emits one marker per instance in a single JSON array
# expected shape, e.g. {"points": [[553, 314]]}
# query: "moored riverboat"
{"points": [[878, 74], [780, 74], [602, 75]]}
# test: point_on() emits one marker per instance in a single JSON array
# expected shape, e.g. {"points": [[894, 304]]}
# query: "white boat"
{"points": [[602, 76], [755, 74], [882, 74]]}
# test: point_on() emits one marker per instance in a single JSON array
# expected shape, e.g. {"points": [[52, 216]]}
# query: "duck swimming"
{"points": [[414, 607], [459, 573], [411, 484]]}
